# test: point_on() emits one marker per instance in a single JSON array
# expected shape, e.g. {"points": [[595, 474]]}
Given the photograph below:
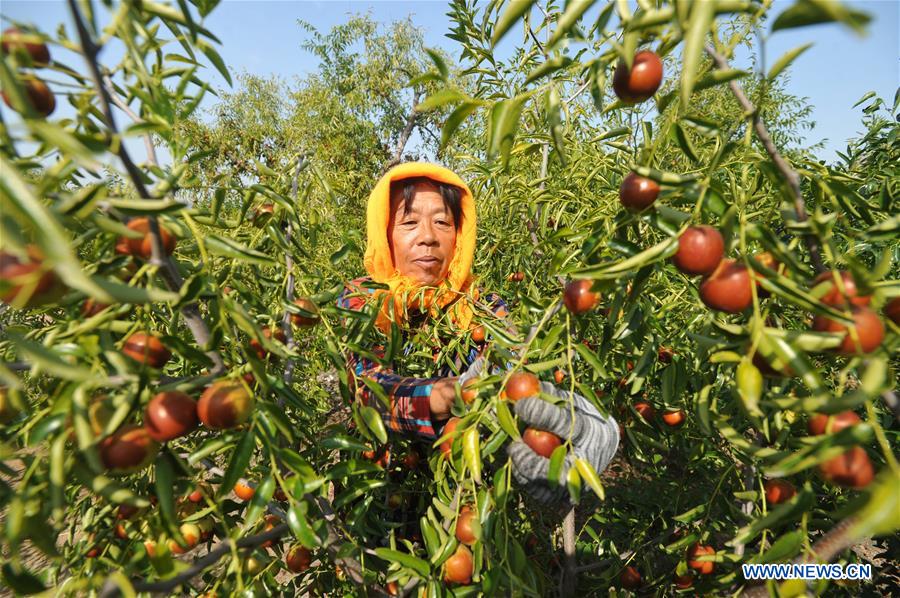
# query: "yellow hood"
{"points": [[380, 265]]}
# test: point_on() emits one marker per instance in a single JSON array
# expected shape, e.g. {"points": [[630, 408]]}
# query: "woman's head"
{"points": [[425, 216]]}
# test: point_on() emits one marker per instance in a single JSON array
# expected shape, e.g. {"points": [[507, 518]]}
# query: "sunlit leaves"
{"points": [[813, 12], [702, 14], [515, 10], [786, 60], [503, 122]]}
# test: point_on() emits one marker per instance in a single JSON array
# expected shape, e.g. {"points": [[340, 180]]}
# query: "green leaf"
{"points": [[611, 134], [229, 248], [749, 384], [340, 441], [456, 118], [501, 486], [813, 12], [258, 503], [658, 252], [554, 116], [557, 460], [684, 142], [164, 483], [472, 452], [880, 516], [358, 489], [57, 475], [705, 127], [441, 98], [425, 78], [514, 11], [649, 18], [300, 527], [669, 380], [445, 551], [506, 421], [574, 10], [886, 230], [113, 291], [439, 63], [867, 96], [781, 514], [374, 423], [550, 66], [263, 169], [430, 535], [214, 58], [783, 549], [341, 253], [664, 177], [701, 19], [107, 488], [240, 460], [503, 124], [589, 475], [67, 143], [592, 359], [144, 127], [40, 356], [717, 77], [785, 61], [140, 207], [691, 514], [410, 562]]}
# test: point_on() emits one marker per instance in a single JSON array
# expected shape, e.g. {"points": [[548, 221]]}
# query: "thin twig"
{"points": [[169, 273], [577, 92], [118, 101], [789, 174], [537, 41], [110, 589], [352, 566], [289, 291], [332, 544], [411, 120]]}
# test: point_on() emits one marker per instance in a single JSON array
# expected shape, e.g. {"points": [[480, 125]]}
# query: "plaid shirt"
{"points": [[409, 397]]}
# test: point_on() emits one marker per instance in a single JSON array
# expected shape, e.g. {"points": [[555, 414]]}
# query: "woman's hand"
{"points": [[443, 392], [594, 438]]}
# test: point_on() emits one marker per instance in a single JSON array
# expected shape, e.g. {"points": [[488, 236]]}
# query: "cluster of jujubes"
{"points": [[30, 50]]}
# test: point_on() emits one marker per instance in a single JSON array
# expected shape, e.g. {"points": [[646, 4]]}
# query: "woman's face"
{"points": [[422, 240]]}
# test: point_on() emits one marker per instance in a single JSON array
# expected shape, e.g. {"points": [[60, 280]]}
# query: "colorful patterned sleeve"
{"points": [[409, 399]]}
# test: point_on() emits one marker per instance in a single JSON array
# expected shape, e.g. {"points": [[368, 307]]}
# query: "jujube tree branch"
{"points": [[790, 175], [170, 275]]}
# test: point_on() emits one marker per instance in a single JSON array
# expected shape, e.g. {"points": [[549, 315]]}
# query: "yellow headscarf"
{"points": [[404, 291]]}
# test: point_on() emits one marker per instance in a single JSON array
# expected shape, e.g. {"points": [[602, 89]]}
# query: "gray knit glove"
{"points": [[474, 371], [594, 438]]}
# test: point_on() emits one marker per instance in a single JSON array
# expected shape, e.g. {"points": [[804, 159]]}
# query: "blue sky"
{"points": [[263, 37]]}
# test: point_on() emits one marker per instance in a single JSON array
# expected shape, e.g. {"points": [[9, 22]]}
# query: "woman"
{"points": [[421, 229]]}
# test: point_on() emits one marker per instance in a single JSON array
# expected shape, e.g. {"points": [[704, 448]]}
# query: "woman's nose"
{"points": [[426, 234]]}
